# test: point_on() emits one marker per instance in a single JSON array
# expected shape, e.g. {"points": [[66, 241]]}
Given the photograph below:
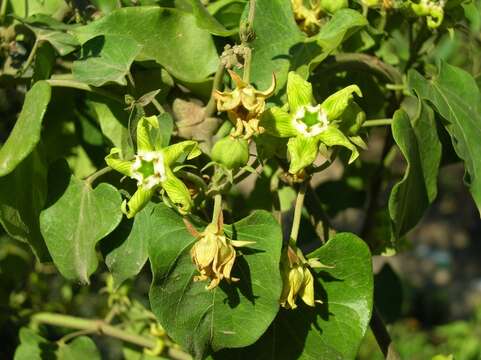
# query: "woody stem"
{"points": [[298, 211]]}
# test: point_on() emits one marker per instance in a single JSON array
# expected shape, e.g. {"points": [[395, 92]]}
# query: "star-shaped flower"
{"points": [[309, 126], [152, 168]]}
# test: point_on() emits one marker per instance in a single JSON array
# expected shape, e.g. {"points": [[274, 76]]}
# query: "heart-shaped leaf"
{"points": [[333, 329], [231, 315], [78, 218]]}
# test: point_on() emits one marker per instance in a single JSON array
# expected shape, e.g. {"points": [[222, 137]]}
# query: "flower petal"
{"points": [[122, 166], [179, 152], [333, 136], [277, 122], [335, 104], [177, 192], [148, 133], [299, 92], [302, 152], [137, 202]]}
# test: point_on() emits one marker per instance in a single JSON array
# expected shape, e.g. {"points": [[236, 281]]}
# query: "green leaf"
{"points": [[422, 150], [33, 347], [44, 62], [80, 348], [26, 133], [232, 315], [104, 61], [23, 193], [334, 329], [63, 42], [24, 9], [341, 26], [113, 122], [455, 96], [168, 36], [276, 33], [206, 21], [128, 258], [67, 224]]}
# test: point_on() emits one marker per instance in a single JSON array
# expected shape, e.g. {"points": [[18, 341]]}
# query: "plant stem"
{"points": [[246, 76], [298, 211], [31, 56], [81, 86], [97, 326], [377, 122], [314, 204], [3, 9], [211, 106], [382, 336], [91, 178], [157, 105], [217, 209], [362, 62], [102, 328]]}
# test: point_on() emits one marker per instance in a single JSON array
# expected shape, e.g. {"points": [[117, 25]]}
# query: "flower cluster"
{"points": [[244, 106], [312, 127], [214, 254], [152, 168], [297, 278]]}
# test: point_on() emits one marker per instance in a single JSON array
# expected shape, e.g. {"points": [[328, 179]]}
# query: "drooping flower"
{"points": [[244, 105], [307, 18], [310, 126], [152, 167], [297, 278], [214, 254]]}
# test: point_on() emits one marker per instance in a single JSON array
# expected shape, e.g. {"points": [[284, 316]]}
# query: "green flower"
{"points": [[433, 11], [311, 126], [152, 167]]}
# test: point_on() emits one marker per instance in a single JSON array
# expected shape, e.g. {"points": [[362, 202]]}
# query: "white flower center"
{"points": [[149, 169], [310, 120]]}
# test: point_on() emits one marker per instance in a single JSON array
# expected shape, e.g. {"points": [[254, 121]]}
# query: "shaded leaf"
{"points": [[126, 260], [67, 225], [80, 348], [420, 145], [23, 193], [276, 32], [26, 133], [168, 36], [33, 347], [232, 315], [104, 61], [206, 21], [456, 97]]}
